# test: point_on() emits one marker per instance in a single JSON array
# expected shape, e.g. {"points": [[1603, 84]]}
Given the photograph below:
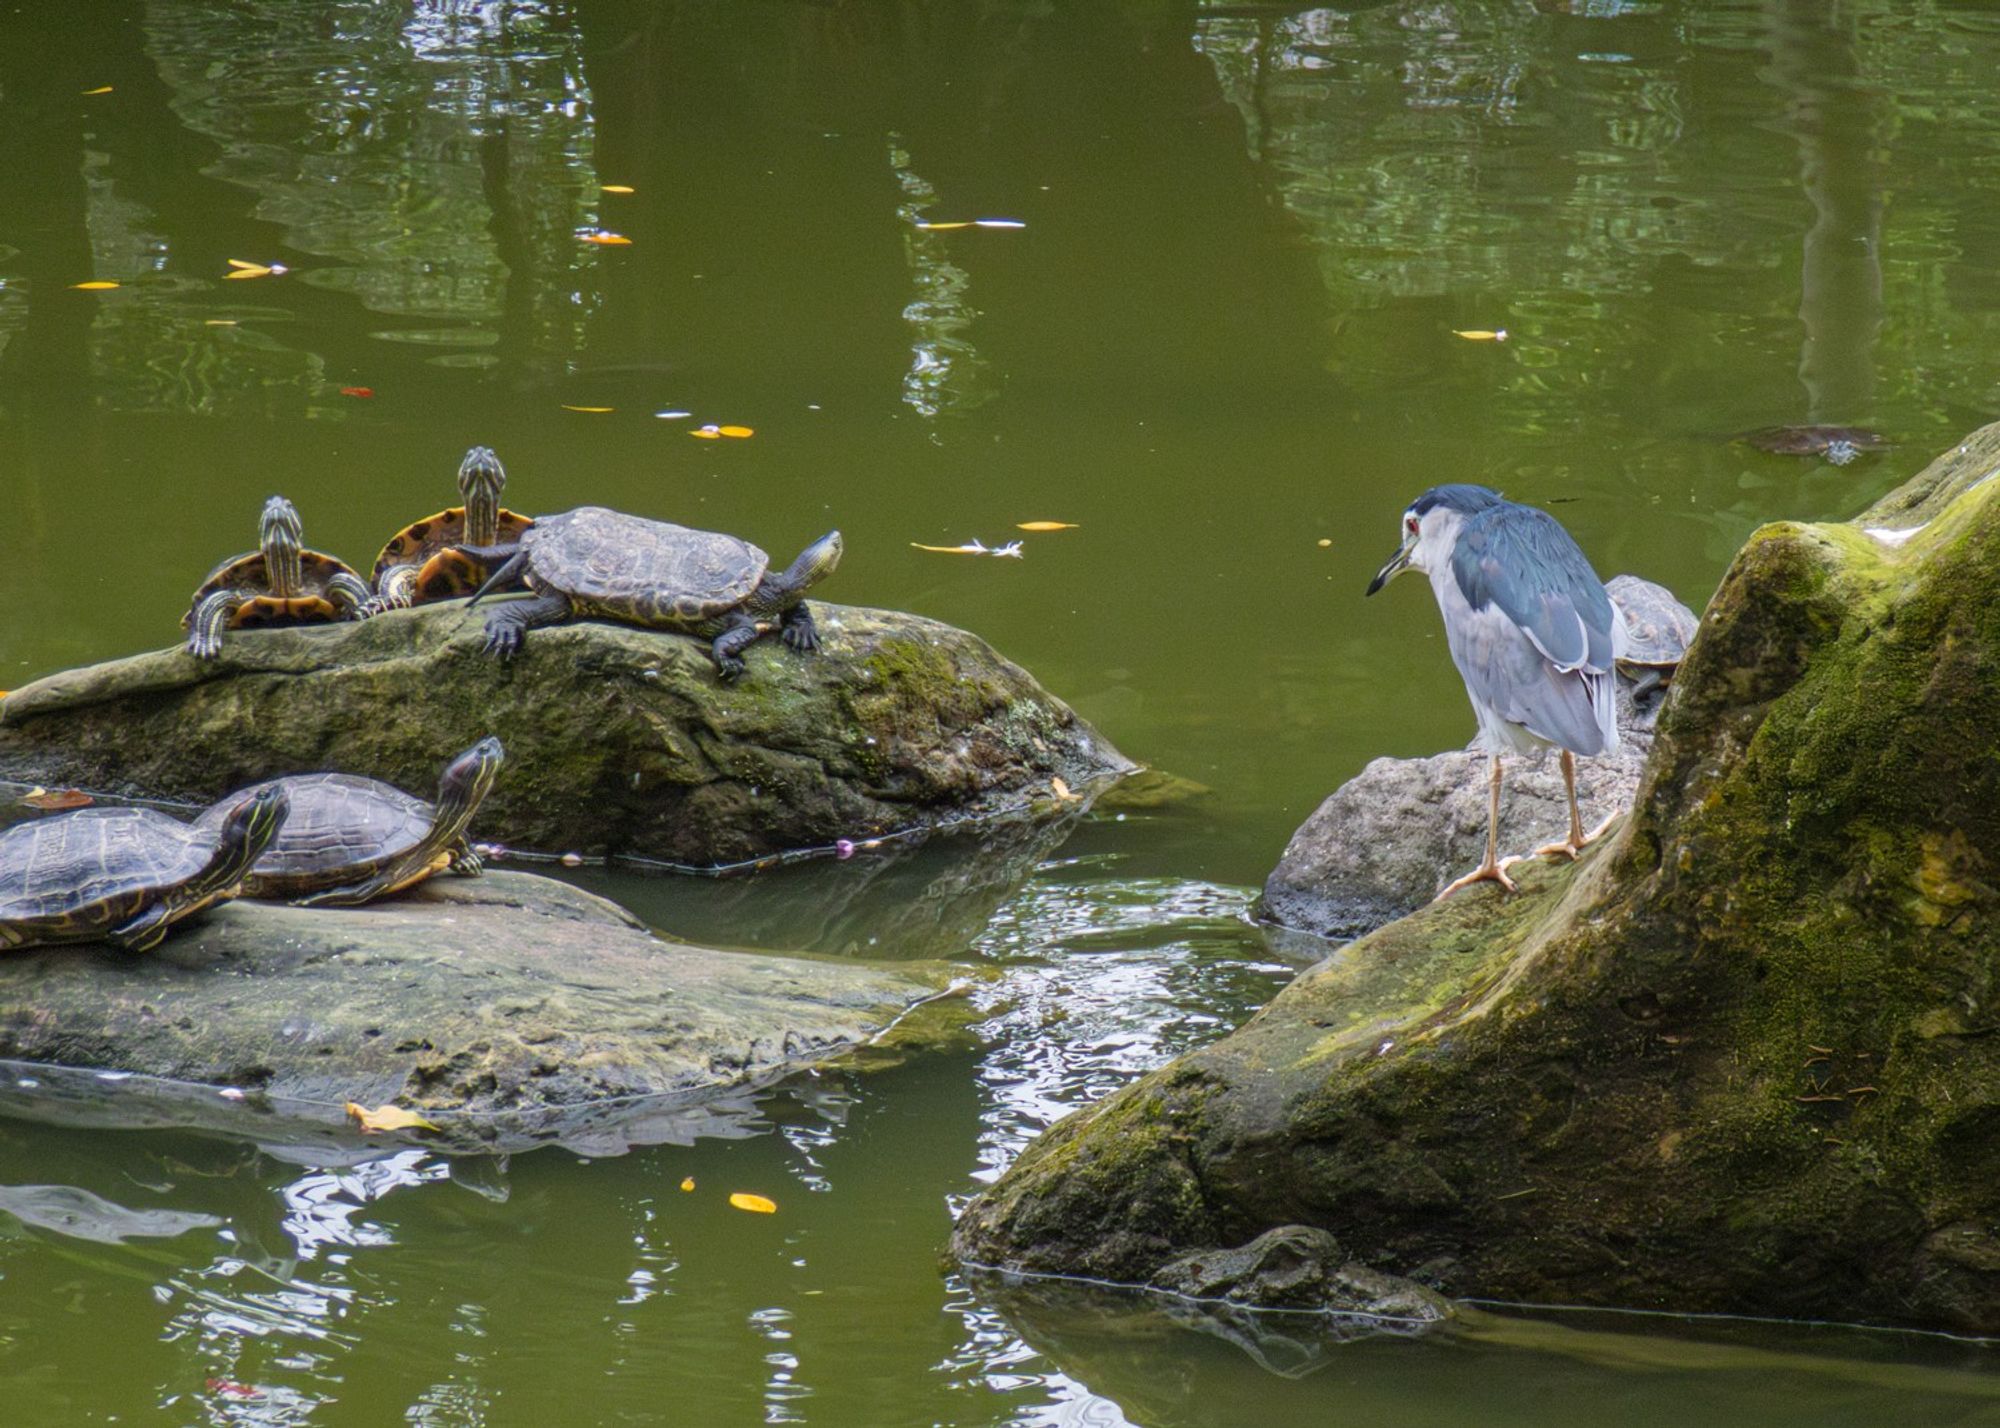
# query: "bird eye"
{"points": [[1410, 524]]}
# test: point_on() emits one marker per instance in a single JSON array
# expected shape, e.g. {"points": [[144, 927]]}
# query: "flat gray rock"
{"points": [[504, 1009]]}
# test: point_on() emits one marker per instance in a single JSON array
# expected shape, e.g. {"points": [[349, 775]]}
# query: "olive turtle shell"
{"points": [[443, 573], [1812, 440], [651, 572], [94, 868], [248, 572], [1658, 627], [341, 828]]}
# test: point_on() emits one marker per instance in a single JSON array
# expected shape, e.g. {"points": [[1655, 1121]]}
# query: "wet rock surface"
{"points": [[619, 739], [1739, 1058], [1299, 1267], [496, 1006]]}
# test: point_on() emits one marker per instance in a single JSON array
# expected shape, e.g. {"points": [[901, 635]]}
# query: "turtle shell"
{"points": [[248, 572], [1812, 440], [90, 870], [340, 829], [444, 573], [651, 572], [1658, 627]]}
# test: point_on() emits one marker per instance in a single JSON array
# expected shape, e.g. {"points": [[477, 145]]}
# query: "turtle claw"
{"points": [[729, 669], [802, 638]]}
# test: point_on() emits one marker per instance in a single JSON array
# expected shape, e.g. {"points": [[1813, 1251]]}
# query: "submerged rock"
{"points": [[503, 1008], [1741, 1057], [618, 739], [1299, 1267]]}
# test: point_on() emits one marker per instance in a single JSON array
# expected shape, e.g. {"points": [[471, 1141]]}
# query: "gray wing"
{"points": [[1523, 562]]}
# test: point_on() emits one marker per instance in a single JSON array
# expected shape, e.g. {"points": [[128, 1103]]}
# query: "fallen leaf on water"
{"points": [[1046, 526], [568, 408], [605, 240], [219, 322], [615, 188], [943, 227], [971, 547], [1324, 543], [255, 270], [98, 285], [101, 89], [1062, 792], [387, 1118], [707, 433], [688, 1184], [57, 800], [756, 1203], [736, 431], [1480, 334], [357, 391]]}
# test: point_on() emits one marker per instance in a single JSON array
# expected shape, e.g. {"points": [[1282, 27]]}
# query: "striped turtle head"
{"points": [[481, 478], [468, 778], [281, 536]]}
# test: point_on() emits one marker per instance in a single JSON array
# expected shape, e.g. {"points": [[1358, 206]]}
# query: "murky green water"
{"points": [[1223, 336]]}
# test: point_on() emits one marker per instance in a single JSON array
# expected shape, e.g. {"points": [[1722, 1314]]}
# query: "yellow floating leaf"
{"points": [[1480, 334], [241, 263], [688, 1184], [568, 408], [385, 1118], [1324, 543], [219, 322], [615, 188], [101, 89], [756, 1203], [605, 240], [1045, 525], [254, 270], [969, 548], [737, 431], [944, 227], [100, 285], [1062, 793], [707, 433]]}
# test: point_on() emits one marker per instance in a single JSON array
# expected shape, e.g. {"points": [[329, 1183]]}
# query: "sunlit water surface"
{"points": [[1215, 329]]}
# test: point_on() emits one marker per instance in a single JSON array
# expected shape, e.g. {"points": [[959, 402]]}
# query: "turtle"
{"points": [[422, 562], [1658, 630], [351, 840], [593, 561], [279, 583], [1838, 444], [126, 875]]}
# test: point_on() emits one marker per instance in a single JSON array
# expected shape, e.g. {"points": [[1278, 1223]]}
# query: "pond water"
{"points": [[1214, 327]]}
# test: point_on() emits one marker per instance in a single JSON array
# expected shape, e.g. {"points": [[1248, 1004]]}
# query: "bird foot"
{"points": [[1570, 847], [1495, 872]]}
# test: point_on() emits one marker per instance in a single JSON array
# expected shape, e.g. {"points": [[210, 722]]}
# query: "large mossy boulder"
{"points": [[1744, 1057], [619, 739], [505, 1009]]}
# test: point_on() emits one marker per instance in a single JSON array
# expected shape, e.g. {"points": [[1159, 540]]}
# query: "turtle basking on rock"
{"points": [[279, 583], [426, 560], [350, 840], [598, 562], [126, 875]]}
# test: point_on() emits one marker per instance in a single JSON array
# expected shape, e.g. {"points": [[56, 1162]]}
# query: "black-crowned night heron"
{"points": [[1531, 630]]}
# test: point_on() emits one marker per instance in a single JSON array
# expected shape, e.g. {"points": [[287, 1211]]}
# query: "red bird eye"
{"points": [[1410, 525]]}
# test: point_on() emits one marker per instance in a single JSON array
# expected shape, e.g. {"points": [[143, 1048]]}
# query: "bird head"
{"points": [[1430, 529]]}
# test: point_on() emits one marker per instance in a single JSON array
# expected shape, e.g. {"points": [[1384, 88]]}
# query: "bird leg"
{"points": [[1494, 869], [1578, 840]]}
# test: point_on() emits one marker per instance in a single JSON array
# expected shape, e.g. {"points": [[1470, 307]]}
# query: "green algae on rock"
{"points": [[506, 1009], [619, 739], [1743, 1057]]}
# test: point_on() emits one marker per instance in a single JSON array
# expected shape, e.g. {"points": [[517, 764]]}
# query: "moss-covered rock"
{"points": [[1745, 1056], [506, 1009], [619, 739]]}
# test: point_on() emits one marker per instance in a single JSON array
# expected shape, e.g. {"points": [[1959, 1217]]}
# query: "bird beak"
{"points": [[1398, 563]]}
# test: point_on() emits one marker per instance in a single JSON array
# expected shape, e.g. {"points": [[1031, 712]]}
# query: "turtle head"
{"points": [[815, 562], [281, 536], [467, 778], [481, 478], [250, 828]]}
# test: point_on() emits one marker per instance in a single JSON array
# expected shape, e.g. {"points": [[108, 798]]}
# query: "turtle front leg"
{"points": [[209, 619], [797, 629], [350, 595], [397, 590], [509, 624], [739, 632], [144, 932]]}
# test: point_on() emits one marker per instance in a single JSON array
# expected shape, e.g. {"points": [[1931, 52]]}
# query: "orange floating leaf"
{"points": [[735, 431], [383, 1118], [1045, 525], [357, 391], [568, 408], [56, 800], [1480, 334], [101, 89], [97, 285], [605, 240], [688, 1184], [757, 1204], [615, 188]]}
